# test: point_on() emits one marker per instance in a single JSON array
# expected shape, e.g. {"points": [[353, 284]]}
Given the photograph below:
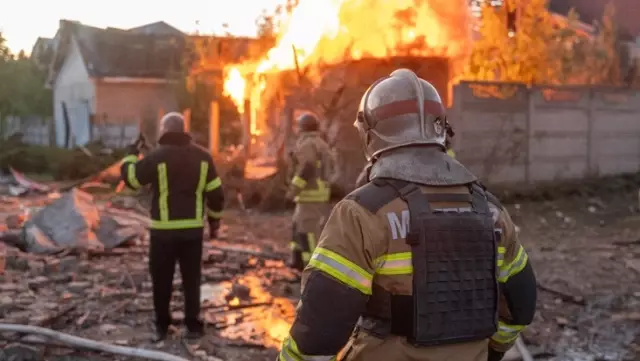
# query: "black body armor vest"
{"points": [[454, 254]]}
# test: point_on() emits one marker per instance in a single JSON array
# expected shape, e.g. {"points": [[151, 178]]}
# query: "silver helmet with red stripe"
{"points": [[398, 111]]}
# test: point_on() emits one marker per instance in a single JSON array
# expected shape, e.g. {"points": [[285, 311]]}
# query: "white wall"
{"points": [[73, 86]]}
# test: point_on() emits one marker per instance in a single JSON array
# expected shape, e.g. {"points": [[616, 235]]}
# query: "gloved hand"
{"points": [[291, 194], [214, 226], [134, 148], [495, 355]]}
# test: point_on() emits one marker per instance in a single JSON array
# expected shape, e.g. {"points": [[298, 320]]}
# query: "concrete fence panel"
{"points": [[511, 134]]}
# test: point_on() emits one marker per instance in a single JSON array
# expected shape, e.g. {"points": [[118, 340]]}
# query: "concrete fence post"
{"points": [[530, 118], [592, 168]]}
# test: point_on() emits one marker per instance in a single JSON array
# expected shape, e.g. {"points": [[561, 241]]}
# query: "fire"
{"points": [[330, 31], [234, 87], [274, 321]]}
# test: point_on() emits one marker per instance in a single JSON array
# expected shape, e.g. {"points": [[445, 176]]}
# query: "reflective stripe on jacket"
{"points": [[307, 182], [183, 179]]}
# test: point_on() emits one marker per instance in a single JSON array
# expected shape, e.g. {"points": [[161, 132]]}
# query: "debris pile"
{"points": [[78, 263], [106, 295], [74, 221]]}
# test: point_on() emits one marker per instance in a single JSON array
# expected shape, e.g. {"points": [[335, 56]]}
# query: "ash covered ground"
{"points": [[585, 250]]}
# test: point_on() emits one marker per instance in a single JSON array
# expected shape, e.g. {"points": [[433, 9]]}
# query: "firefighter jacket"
{"points": [[183, 180], [312, 161], [362, 261]]}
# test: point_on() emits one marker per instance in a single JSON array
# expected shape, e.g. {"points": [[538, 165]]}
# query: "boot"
{"points": [[195, 330]]}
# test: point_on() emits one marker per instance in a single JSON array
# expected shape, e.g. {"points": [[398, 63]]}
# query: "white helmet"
{"points": [[400, 110]]}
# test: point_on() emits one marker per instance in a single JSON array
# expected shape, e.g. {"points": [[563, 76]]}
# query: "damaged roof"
{"points": [[627, 17], [122, 53]]}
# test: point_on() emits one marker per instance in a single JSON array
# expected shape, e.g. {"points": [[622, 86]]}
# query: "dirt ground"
{"points": [[585, 251]]}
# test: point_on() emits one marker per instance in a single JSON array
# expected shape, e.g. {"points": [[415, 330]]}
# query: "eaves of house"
{"points": [[116, 55]]}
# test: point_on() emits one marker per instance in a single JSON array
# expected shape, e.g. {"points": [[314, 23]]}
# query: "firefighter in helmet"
{"points": [[186, 188], [422, 261], [312, 162]]}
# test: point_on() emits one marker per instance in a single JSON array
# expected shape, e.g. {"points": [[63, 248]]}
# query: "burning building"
{"points": [[326, 55]]}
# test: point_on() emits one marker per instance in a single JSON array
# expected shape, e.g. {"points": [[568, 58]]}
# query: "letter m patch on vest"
{"points": [[399, 224]]}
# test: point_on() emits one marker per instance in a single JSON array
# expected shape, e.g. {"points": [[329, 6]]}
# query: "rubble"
{"points": [[588, 287], [74, 221], [78, 264], [16, 184]]}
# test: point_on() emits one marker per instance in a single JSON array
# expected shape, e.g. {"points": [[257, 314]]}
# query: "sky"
{"points": [[24, 21]]}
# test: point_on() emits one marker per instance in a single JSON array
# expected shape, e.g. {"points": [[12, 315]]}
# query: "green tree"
{"points": [[4, 49], [22, 86]]}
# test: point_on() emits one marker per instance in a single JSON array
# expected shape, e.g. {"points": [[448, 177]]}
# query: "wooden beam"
{"points": [[214, 128], [187, 120], [246, 126]]}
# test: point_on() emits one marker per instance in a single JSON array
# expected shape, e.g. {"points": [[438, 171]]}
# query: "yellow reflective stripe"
{"points": [[312, 198], [177, 224], [501, 252], [131, 176], [318, 195], [163, 190], [342, 269], [506, 333], [204, 168], [394, 264], [130, 159], [298, 182], [291, 352], [214, 184], [311, 241], [451, 153], [306, 256], [214, 215], [509, 270]]}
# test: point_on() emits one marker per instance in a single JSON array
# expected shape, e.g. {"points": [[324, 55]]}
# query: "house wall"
{"points": [[634, 49], [73, 87], [129, 103]]}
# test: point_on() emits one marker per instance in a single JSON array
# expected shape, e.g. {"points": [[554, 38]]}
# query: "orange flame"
{"points": [[331, 31], [234, 88]]}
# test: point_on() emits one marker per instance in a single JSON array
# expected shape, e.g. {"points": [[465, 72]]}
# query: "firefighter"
{"points": [[312, 164], [185, 187], [422, 261]]}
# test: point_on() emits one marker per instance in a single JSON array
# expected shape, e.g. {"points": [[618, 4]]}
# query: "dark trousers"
{"points": [[167, 248]]}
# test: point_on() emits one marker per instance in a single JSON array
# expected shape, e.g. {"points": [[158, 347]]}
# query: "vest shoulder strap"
{"points": [[380, 192], [490, 197], [373, 195]]}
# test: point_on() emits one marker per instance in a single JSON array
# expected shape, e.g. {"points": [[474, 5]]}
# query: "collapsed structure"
{"points": [[326, 55]]}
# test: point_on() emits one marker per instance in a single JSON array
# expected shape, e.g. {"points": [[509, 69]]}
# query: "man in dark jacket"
{"points": [[185, 186]]}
